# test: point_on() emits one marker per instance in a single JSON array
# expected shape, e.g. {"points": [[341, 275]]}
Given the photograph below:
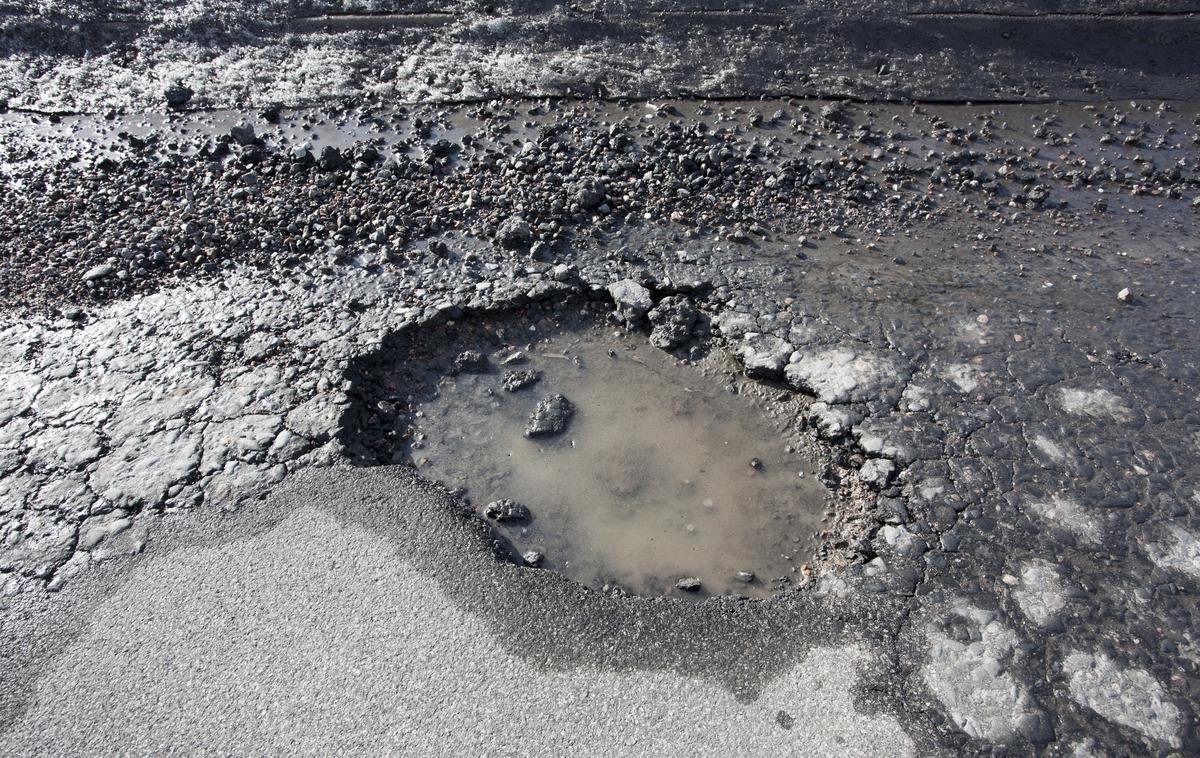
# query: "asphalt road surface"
{"points": [[953, 246]]}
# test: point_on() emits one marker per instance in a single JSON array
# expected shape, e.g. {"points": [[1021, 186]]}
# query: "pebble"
{"points": [[506, 510]]}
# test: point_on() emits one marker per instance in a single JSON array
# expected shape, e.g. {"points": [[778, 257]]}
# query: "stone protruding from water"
{"points": [[550, 417], [506, 510], [470, 362], [520, 379]]}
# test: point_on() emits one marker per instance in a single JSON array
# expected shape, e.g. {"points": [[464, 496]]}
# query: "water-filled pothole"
{"points": [[662, 473]]}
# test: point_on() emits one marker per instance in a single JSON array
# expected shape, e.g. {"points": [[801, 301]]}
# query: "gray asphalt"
{"points": [[318, 622]]}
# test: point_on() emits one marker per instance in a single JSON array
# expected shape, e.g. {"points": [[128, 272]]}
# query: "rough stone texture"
{"points": [[1179, 550], [1041, 594], [764, 354], [1070, 515], [673, 320], [263, 53], [632, 299], [551, 416], [1129, 696], [969, 678], [843, 375]]}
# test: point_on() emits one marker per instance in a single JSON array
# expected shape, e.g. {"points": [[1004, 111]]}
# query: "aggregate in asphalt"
{"points": [[989, 313]]}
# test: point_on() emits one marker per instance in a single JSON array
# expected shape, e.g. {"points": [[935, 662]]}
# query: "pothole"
{"points": [[594, 454]]}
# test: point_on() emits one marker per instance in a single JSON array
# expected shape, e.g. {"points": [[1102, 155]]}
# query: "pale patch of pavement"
{"points": [[1041, 594], [316, 637], [1128, 696], [968, 675]]}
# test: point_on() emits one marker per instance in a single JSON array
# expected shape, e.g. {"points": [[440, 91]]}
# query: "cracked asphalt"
{"points": [[987, 313]]}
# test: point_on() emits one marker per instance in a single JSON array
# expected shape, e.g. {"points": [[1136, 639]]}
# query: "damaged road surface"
{"points": [[447, 380]]}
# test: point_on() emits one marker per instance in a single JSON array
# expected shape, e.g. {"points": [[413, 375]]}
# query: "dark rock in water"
{"points": [[515, 380], [272, 113], [673, 319], [506, 510], [550, 416], [688, 584], [514, 234], [243, 133], [470, 362], [178, 95], [632, 299]]}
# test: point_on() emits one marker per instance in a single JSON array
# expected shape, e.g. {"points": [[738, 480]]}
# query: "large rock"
{"points": [[550, 417], [632, 299], [514, 233], [764, 354], [673, 319]]}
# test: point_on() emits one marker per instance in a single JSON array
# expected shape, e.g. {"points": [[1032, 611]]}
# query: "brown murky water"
{"points": [[661, 474]]}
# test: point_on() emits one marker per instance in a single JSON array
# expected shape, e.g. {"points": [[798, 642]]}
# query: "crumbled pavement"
{"points": [[940, 284]]}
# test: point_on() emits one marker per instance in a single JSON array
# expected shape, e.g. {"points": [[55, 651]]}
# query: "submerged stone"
{"points": [[470, 362]]}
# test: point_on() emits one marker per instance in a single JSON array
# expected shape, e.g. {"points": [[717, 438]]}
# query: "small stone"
{"points": [[506, 510], [876, 472], [98, 272], [243, 133], [745, 576], [514, 233], [532, 558], [1125, 295], [550, 417], [470, 362], [591, 194], [332, 159], [516, 380], [688, 584], [756, 464], [632, 299]]}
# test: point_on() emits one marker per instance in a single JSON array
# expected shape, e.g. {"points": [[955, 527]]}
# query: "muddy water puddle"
{"points": [[661, 475]]}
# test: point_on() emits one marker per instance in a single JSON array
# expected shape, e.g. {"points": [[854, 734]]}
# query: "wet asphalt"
{"points": [[989, 312]]}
